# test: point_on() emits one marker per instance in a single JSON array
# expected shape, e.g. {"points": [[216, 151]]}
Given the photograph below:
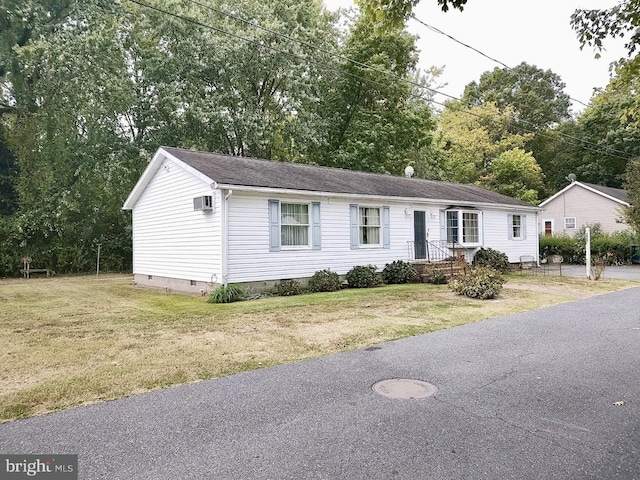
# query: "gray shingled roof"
{"points": [[241, 171], [617, 193]]}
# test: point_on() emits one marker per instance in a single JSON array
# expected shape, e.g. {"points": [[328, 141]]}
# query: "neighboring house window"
{"points": [[369, 226], [570, 222], [462, 227], [517, 225], [548, 228], [294, 225]]}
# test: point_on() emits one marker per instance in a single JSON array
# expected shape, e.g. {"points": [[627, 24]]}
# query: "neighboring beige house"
{"points": [[580, 204]]}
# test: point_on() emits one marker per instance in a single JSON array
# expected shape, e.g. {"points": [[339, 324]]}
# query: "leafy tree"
{"points": [[371, 118], [93, 87], [515, 173], [536, 95], [632, 186], [559, 152], [395, 12], [473, 137], [593, 26], [613, 138]]}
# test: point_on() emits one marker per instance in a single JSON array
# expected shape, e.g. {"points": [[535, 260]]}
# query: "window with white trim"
{"points": [[569, 222], [517, 225], [470, 227], [369, 225], [463, 227], [294, 224]]}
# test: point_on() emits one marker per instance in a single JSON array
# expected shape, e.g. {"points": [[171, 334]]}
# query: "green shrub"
{"points": [[570, 250], [488, 257], [482, 283], [227, 294], [363, 277], [436, 277], [399, 272], [287, 288], [325, 281], [616, 246]]}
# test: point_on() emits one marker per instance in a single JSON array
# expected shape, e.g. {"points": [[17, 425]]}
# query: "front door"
{"points": [[420, 235]]}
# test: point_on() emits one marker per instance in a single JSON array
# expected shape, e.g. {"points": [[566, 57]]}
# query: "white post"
{"points": [[587, 231], [98, 261]]}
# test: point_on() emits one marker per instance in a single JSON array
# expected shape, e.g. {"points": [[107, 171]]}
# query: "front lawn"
{"points": [[76, 340]]}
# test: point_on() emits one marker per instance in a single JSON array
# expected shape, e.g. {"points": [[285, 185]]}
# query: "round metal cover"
{"points": [[404, 388]]}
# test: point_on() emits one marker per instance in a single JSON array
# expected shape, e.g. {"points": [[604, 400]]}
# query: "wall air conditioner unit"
{"points": [[203, 204]]}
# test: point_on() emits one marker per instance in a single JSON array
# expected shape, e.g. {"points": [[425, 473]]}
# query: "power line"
{"points": [[582, 143], [391, 74], [437, 30]]}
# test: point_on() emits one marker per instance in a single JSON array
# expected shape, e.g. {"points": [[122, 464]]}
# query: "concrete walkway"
{"points": [[548, 394]]}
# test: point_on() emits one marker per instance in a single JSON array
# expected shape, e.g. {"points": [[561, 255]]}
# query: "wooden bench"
{"points": [[26, 272]]}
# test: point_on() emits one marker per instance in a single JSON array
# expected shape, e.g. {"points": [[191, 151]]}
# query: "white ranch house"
{"points": [[202, 219]]}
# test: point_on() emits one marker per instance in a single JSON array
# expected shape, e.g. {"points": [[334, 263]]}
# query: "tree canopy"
{"points": [[536, 95], [393, 13], [632, 186], [91, 88]]}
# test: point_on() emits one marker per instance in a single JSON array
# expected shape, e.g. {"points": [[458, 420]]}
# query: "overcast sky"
{"points": [[512, 31]]}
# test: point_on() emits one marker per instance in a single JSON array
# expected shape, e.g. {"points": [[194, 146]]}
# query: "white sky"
{"points": [[512, 31]]}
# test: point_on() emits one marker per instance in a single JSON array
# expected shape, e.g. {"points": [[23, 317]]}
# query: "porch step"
{"points": [[448, 269]]}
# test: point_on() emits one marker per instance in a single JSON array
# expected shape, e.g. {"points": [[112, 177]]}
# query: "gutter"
{"points": [[412, 200]]}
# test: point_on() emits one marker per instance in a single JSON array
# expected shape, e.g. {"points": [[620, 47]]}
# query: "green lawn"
{"points": [[69, 341]]}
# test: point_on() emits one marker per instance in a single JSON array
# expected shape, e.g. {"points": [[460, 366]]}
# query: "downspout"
{"points": [[225, 236]]}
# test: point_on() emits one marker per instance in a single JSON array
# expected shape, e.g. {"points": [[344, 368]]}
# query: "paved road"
{"points": [[529, 396], [622, 272]]}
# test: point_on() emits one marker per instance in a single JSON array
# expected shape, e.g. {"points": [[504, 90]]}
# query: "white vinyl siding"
{"points": [[496, 234], [250, 258], [170, 239]]}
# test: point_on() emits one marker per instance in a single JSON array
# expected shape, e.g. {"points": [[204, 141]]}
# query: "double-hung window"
{"points": [[369, 226], [294, 225], [462, 227], [517, 225]]}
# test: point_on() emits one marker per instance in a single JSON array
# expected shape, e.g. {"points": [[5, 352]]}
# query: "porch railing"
{"points": [[438, 251]]}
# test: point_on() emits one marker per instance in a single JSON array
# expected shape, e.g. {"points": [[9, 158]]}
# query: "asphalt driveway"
{"points": [[548, 394]]}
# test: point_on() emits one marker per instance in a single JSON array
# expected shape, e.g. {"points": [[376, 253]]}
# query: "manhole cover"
{"points": [[404, 388]]}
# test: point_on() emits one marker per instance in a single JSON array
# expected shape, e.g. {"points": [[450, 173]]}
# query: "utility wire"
{"points": [[586, 145], [437, 30], [387, 73]]}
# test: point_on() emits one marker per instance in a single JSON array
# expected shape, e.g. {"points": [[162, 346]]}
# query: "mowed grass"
{"points": [[70, 341]]}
